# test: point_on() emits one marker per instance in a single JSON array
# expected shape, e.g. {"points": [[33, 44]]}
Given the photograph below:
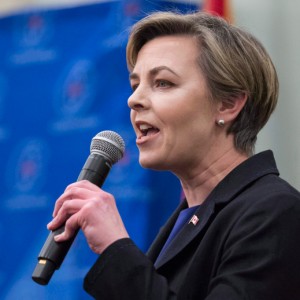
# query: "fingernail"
{"points": [[49, 224], [58, 237]]}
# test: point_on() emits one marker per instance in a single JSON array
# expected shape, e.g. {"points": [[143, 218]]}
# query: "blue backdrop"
{"points": [[63, 79]]}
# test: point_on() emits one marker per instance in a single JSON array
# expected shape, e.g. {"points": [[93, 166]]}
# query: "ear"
{"points": [[228, 109]]}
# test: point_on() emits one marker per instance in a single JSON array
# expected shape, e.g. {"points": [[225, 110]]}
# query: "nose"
{"points": [[138, 100]]}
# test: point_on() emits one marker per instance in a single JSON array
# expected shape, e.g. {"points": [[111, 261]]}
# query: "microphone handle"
{"points": [[95, 170]]}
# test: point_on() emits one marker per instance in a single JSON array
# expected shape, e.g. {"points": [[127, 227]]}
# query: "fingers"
{"points": [[68, 208], [77, 190], [71, 227], [69, 204], [86, 206]]}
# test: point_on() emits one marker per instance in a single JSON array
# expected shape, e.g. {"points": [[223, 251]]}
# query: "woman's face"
{"points": [[171, 112]]}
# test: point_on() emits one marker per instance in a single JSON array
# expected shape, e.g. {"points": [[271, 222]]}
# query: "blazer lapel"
{"points": [[164, 233], [187, 233], [233, 184]]}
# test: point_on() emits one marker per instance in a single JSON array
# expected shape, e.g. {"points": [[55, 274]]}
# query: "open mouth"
{"points": [[147, 130]]}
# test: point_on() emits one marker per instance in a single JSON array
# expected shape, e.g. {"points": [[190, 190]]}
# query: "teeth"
{"points": [[145, 127]]}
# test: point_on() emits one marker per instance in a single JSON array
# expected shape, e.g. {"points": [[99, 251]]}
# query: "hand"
{"points": [[86, 206]]}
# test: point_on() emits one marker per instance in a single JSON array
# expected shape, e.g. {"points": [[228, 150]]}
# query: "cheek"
{"points": [[132, 115], [183, 115], [192, 121]]}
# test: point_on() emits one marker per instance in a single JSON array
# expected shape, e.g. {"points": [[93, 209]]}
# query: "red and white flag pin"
{"points": [[194, 220]]}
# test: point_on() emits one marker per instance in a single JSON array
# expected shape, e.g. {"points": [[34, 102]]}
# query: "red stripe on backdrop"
{"points": [[219, 7]]}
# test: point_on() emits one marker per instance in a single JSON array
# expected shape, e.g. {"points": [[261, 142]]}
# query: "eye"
{"points": [[163, 83], [134, 86]]}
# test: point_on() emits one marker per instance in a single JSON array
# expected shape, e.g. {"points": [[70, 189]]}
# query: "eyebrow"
{"points": [[153, 72]]}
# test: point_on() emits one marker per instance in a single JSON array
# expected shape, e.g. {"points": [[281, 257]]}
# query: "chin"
{"points": [[153, 164]]}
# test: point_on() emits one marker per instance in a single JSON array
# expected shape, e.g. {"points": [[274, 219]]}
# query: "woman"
{"points": [[202, 90]]}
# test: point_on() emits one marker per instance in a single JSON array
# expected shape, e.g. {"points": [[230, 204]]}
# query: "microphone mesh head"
{"points": [[109, 144]]}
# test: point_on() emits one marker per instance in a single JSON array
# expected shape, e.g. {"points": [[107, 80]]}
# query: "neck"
{"points": [[198, 183]]}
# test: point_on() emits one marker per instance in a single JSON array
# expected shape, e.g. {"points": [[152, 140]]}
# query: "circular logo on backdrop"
{"points": [[32, 30], [74, 95], [32, 36], [26, 168], [77, 89]]}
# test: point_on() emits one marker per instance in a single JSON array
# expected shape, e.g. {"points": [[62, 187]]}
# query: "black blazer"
{"points": [[246, 245]]}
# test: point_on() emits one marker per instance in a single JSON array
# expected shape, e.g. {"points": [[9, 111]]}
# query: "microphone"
{"points": [[107, 147]]}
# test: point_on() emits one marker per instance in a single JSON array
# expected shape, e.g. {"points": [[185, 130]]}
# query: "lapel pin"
{"points": [[194, 220]]}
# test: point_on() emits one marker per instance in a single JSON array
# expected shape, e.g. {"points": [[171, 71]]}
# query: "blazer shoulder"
{"points": [[274, 188], [268, 197]]}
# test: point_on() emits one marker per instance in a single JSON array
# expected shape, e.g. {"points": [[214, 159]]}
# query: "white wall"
{"points": [[276, 23]]}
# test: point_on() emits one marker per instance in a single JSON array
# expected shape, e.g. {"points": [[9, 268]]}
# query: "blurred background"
{"points": [[63, 79]]}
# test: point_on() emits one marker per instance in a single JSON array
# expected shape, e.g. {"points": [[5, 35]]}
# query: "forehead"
{"points": [[170, 50]]}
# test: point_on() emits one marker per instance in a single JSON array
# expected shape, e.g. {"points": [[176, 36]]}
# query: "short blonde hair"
{"points": [[232, 60]]}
